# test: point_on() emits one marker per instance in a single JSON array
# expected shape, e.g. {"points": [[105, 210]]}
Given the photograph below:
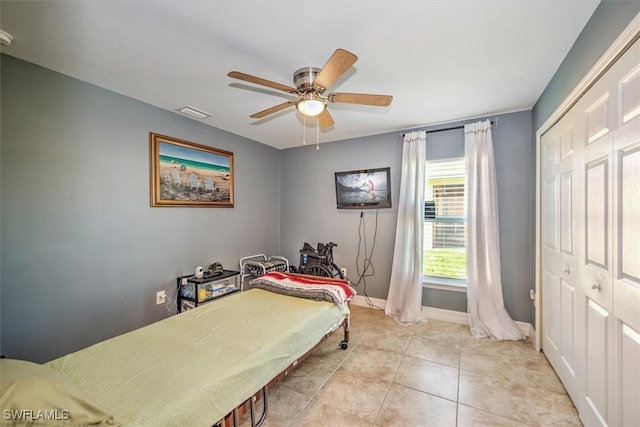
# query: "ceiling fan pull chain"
{"points": [[304, 129], [317, 133]]}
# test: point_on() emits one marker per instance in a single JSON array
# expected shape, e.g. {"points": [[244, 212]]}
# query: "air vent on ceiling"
{"points": [[5, 38], [194, 112]]}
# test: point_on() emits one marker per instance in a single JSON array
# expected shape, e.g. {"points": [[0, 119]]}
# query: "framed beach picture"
{"points": [[188, 174]]}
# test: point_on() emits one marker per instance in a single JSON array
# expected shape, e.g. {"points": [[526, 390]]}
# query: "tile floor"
{"points": [[432, 374]]}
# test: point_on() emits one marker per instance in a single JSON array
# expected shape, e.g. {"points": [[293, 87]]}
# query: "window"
{"points": [[444, 225]]}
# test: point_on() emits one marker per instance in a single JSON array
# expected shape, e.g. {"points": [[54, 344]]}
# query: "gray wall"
{"points": [[309, 211], [607, 22], [83, 253]]}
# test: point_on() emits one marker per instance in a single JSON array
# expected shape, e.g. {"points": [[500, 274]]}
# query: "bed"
{"points": [[199, 367]]}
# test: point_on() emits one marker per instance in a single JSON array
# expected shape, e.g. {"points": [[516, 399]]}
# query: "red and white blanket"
{"points": [[304, 286]]}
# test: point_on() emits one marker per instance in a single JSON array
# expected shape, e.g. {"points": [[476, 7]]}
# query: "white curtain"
{"points": [[404, 302], [487, 315]]}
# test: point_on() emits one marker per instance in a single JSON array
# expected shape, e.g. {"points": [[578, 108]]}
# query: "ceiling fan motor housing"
{"points": [[304, 78]]}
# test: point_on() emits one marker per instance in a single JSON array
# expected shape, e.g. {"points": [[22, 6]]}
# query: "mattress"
{"points": [[194, 368]]}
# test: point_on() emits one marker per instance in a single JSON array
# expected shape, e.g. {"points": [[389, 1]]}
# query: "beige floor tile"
{"points": [[472, 417], [444, 331], [429, 377], [384, 321], [539, 374], [372, 363], [434, 350], [309, 377], [364, 314], [524, 347], [386, 339], [283, 407], [485, 345], [317, 414], [359, 329], [554, 408], [408, 407], [331, 353], [502, 364], [354, 395], [496, 395]]}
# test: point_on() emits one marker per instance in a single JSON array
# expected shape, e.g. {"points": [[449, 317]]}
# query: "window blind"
{"points": [[444, 229]]}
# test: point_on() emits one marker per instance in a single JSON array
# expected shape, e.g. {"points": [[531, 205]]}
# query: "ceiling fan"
{"points": [[311, 83]]}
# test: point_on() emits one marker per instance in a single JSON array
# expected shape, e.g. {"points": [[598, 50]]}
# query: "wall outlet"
{"points": [[161, 296], [343, 270], [532, 294]]}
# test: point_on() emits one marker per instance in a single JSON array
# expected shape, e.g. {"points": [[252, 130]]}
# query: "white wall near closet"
{"points": [[588, 274]]}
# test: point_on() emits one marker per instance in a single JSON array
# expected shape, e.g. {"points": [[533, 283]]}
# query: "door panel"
{"points": [[566, 213], [597, 118], [597, 198], [568, 332], [566, 143], [629, 214], [627, 226], [549, 216], [629, 377], [598, 363], [553, 326]]}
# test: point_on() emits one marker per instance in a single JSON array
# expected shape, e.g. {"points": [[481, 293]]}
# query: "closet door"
{"points": [[561, 303], [590, 271], [626, 240], [595, 269], [610, 272]]}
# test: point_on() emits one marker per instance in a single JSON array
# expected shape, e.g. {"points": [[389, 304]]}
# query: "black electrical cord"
{"points": [[367, 263]]}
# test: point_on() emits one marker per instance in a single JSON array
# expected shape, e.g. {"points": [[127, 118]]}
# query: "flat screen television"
{"points": [[364, 189]]}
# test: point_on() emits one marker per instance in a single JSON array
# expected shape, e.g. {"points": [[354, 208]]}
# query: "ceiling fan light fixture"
{"points": [[311, 106]]}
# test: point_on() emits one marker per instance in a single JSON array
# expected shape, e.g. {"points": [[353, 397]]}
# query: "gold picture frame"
{"points": [[186, 174]]}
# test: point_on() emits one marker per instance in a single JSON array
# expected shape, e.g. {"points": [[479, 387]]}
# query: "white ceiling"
{"points": [[441, 60]]}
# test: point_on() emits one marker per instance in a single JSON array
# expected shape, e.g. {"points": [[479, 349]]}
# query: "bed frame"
{"points": [[262, 264]]}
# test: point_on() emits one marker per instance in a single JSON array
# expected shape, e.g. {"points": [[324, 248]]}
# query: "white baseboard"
{"points": [[441, 314], [362, 300], [532, 335]]}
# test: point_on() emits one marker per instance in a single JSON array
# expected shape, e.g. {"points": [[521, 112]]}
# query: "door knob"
{"points": [[566, 270], [595, 286]]}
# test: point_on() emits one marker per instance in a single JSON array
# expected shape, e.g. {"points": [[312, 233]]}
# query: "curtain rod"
{"points": [[494, 122]]}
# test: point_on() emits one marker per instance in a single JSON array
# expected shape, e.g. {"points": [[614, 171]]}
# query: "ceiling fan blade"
{"points": [[336, 66], [361, 98], [272, 110], [325, 119], [259, 81]]}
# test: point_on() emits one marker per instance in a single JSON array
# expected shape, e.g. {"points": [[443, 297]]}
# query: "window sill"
{"points": [[444, 284]]}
